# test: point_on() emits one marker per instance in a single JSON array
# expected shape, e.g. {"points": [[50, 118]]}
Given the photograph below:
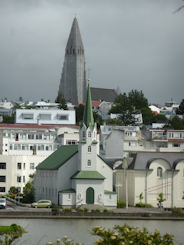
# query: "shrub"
{"points": [[121, 204], [143, 205], [66, 210], [106, 210], [178, 211]]}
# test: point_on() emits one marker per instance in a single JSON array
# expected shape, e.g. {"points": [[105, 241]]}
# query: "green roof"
{"points": [[68, 191], [58, 158], [88, 113], [88, 175]]}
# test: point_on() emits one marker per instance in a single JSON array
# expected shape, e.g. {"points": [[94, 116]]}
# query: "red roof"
{"points": [[94, 104], [18, 125]]}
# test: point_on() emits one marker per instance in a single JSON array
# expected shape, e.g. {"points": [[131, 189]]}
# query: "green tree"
{"points": [[97, 119], [180, 109], [160, 118], [62, 102], [28, 193], [13, 190], [114, 122], [161, 199], [176, 123], [137, 100], [9, 119], [79, 111], [147, 115], [141, 197], [124, 108]]}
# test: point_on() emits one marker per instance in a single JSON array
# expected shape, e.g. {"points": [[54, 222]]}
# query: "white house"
{"points": [[76, 175], [152, 173], [43, 116]]}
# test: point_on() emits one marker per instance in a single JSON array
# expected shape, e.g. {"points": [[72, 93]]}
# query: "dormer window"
{"points": [[89, 134], [159, 172]]}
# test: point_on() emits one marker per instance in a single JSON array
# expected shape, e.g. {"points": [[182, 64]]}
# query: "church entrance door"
{"points": [[90, 195]]}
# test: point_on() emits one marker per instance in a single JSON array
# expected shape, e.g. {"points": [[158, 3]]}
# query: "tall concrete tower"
{"points": [[73, 78]]}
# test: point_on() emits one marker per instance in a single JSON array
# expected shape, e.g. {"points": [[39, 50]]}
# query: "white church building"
{"points": [[75, 174]]}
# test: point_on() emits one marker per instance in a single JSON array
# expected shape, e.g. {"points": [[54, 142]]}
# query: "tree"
{"points": [[160, 118], [147, 115], [97, 119], [180, 110], [160, 199], [141, 197], [9, 119], [79, 111], [62, 102], [13, 190], [28, 193], [176, 123], [124, 108], [137, 100]]}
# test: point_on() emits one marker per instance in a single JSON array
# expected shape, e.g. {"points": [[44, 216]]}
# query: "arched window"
{"points": [[89, 134], [159, 172], [89, 148]]}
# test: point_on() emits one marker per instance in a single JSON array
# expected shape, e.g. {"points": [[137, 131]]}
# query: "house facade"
{"points": [[76, 175], [152, 173]]}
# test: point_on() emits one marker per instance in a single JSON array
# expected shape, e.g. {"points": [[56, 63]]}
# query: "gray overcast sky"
{"points": [[130, 44]]}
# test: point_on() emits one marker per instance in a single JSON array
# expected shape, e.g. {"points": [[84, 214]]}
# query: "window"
{"points": [[19, 179], [62, 117], [89, 134], [45, 116], [89, 163], [89, 148], [83, 134], [159, 172], [27, 116], [11, 147], [24, 179], [19, 189], [176, 145], [19, 165], [69, 196], [24, 165], [32, 165], [40, 147], [2, 165], [2, 189], [2, 178], [30, 136], [38, 136]]}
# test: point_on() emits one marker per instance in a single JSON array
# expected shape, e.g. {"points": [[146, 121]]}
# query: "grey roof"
{"points": [[103, 94], [142, 160]]}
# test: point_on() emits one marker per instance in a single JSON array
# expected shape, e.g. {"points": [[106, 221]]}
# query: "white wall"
{"points": [[33, 116]]}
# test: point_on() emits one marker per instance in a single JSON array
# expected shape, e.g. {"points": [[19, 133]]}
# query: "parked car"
{"points": [[42, 204], [2, 202]]}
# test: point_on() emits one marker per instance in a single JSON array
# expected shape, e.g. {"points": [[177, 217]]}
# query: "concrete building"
{"points": [[73, 78], [43, 116], [152, 173], [76, 175], [23, 147]]}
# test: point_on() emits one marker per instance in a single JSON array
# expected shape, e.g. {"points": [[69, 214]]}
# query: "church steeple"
{"points": [[73, 78], [88, 119], [74, 44]]}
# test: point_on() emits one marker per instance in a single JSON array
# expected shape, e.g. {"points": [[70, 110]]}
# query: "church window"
{"points": [[159, 172], [83, 134], [89, 163], [89, 148], [89, 134]]}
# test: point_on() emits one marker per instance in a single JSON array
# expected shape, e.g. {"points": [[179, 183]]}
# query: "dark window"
{"points": [[19, 165], [2, 165], [18, 179], [159, 172], [89, 148], [2, 189], [2, 178]]}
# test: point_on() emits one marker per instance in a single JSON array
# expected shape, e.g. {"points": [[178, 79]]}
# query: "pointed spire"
{"points": [[74, 44], [88, 119]]}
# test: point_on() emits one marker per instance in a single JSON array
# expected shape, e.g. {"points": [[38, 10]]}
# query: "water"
{"points": [[41, 231]]}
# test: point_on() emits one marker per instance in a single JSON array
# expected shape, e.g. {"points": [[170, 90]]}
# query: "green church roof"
{"points": [[58, 158], [88, 175], [88, 113]]}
